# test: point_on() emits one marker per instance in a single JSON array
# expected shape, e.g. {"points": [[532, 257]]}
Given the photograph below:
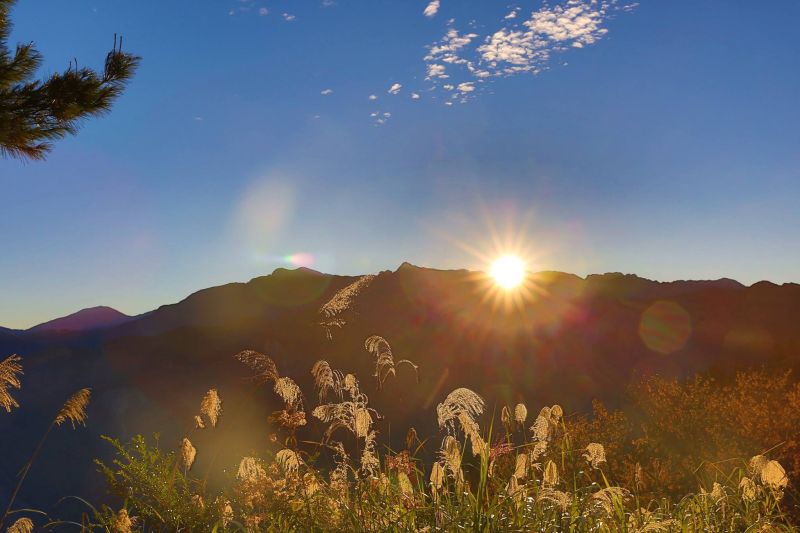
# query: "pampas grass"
{"points": [[22, 525], [211, 408], [74, 409], [10, 370]]}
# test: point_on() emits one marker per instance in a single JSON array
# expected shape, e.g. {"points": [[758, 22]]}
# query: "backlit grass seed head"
{"points": [[211, 406], [10, 370], [550, 476], [562, 500], [607, 499], [521, 466], [757, 464], [450, 454], [74, 408], [22, 525], [250, 470], [198, 501], [288, 460], [370, 464], [774, 476], [198, 422], [748, 489], [595, 454], [187, 453], [520, 413], [122, 522], [461, 401], [342, 302], [405, 484], [289, 392], [505, 418], [437, 476], [350, 384], [261, 364], [324, 379], [363, 422], [226, 513]]}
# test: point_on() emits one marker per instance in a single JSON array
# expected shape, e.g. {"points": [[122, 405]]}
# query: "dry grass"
{"points": [[74, 409], [10, 370]]}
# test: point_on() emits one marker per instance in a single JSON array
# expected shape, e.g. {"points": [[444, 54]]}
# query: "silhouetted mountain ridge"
{"points": [[84, 320], [562, 338]]}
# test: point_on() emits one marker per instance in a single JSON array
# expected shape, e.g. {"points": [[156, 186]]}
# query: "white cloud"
{"points": [[326, 92], [288, 18], [518, 44], [263, 11], [328, 3], [449, 87], [373, 97], [431, 9], [395, 88], [414, 96], [436, 71]]}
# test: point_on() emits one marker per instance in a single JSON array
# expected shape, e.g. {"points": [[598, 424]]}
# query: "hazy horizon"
{"points": [[139, 312]]}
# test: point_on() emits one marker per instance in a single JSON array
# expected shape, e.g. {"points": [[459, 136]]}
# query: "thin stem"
{"points": [[25, 474]]}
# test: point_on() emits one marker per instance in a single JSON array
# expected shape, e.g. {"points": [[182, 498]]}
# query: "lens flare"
{"points": [[301, 259], [508, 271]]}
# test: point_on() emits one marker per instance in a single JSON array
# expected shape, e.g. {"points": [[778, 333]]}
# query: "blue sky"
{"points": [[659, 139]]}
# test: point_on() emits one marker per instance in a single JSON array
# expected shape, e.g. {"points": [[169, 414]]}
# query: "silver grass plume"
{"points": [[211, 407], [289, 392], [341, 302], [520, 413], [384, 360], [187, 453], [122, 522], [369, 456], [261, 364], [288, 460], [22, 525], [326, 380], [595, 454], [460, 401], [250, 470], [74, 409], [10, 370]]}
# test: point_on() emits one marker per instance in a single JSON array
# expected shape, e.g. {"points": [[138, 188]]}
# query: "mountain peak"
{"points": [[84, 320]]}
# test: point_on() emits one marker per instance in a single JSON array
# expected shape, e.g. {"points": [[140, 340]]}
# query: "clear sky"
{"points": [[661, 139]]}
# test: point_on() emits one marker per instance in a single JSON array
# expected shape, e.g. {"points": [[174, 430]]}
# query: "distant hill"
{"points": [[562, 339], [84, 320]]}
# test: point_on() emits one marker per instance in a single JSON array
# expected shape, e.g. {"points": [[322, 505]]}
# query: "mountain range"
{"points": [[561, 338]]}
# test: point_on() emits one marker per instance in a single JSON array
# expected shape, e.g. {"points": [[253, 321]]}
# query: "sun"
{"points": [[508, 271]]}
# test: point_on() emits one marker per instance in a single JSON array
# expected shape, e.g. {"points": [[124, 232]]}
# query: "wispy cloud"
{"points": [[288, 17], [373, 97], [326, 92], [517, 45], [431, 9]]}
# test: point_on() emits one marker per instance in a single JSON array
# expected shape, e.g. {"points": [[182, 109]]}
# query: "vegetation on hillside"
{"points": [[614, 471]]}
